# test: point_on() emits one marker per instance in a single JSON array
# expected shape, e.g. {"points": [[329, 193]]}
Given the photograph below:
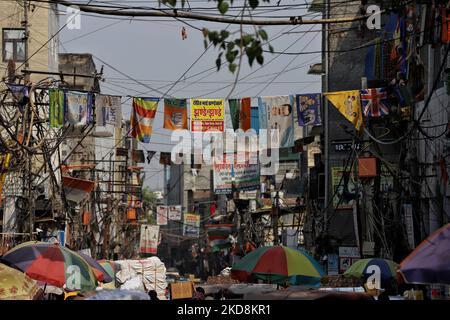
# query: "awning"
{"points": [[77, 190]]}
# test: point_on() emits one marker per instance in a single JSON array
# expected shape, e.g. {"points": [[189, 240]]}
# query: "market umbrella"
{"points": [[430, 261], [52, 264], [277, 264], [15, 285], [100, 273], [359, 269], [109, 266]]}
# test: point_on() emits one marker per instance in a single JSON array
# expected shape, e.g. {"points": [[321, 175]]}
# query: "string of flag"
{"points": [[70, 107]]}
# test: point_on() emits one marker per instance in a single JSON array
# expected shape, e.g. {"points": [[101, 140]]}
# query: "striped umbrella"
{"points": [[100, 273], [361, 269], [109, 266], [53, 264], [277, 264]]}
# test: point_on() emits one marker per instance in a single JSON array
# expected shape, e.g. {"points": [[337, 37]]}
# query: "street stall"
{"points": [[142, 275]]}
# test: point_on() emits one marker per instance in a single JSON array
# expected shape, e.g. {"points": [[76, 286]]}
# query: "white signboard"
{"points": [[175, 213]]}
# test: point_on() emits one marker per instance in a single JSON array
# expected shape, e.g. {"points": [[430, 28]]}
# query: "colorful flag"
{"points": [[78, 108], [279, 112], [56, 113], [240, 111], [142, 116], [375, 102], [349, 105], [207, 115], [308, 109], [108, 110], [175, 114]]}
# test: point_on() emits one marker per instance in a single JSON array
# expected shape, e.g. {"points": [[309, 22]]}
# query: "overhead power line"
{"points": [[174, 13]]}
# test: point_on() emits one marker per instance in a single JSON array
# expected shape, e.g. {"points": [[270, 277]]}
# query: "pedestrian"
{"points": [[153, 295], [199, 294]]}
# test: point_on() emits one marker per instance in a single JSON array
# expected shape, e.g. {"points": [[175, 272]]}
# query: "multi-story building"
{"points": [[29, 43], [388, 213]]}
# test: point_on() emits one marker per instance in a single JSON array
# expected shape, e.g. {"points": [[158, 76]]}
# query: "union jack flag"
{"points": [[375, 102]]}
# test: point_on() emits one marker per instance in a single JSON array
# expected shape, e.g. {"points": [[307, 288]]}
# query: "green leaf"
{"points": [[253, 3], [251, 56], [170, 2], [205, 43], [224, 34], [230, 46], [260, 59], [223, 7], [263, 34], [270, 48], [247, 39], [232, 67], [230, 56]]}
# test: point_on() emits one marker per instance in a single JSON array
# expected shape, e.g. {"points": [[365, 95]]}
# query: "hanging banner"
{"points": [[191, 225], [279, 111], [78, 110], [207, 115], [349, 105], [108, 110], [308, 109], [339, 187], [244, 176], [56, 108], [175, 114], [142, 117], [240, 113], [175, 213], [149, 239], [161, 215], [20, 93]]}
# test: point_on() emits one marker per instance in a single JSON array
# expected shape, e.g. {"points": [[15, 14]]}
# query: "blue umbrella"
{"points": [[430, 261]]}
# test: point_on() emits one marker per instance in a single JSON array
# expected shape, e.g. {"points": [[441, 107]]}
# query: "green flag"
{"points": [[235, 106], [56, 108]]}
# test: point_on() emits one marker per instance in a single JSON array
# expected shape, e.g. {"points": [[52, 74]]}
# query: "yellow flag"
{"points": [[349, 104]]}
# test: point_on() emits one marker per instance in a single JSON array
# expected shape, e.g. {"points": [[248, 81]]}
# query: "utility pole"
{"points": [[325, 85], [25, 25]]}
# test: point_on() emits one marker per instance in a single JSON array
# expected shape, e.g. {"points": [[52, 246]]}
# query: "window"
{"points": [[13, 45]]}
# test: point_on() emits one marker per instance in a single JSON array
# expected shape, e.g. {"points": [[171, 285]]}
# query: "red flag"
{"points": [[212, 209], [245, 116]]}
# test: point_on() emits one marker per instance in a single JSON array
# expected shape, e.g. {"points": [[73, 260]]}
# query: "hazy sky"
{"points": [[153, 52]]}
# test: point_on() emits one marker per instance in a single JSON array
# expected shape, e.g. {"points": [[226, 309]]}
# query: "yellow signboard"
{"points": [[207, 115]]}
